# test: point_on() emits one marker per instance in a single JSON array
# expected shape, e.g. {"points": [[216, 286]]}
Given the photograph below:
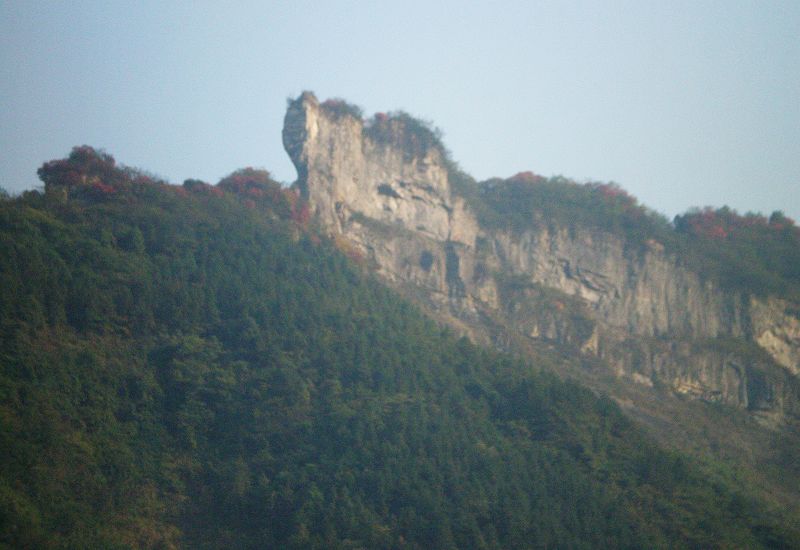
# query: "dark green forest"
{"points": [[196, 367]]}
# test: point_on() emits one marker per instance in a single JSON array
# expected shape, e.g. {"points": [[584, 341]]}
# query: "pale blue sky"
{"points": [[681, 103]]}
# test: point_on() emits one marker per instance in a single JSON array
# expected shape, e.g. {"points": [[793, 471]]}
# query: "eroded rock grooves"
{"points": [[646, 319]]}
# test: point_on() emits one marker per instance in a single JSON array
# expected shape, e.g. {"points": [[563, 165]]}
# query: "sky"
{"points": [[683, 104]]}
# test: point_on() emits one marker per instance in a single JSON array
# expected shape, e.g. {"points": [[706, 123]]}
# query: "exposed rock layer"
{"points": [[650, 320]]}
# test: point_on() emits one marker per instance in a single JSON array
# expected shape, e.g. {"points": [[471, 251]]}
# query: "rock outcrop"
{"points": [[646, 317]]}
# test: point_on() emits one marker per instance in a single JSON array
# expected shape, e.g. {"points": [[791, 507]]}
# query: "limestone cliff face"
{"points": [[650, 320], [342, 172]]}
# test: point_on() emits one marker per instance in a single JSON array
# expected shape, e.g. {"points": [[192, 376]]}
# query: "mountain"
{"points": [[208, 366], [706, 308], [527, 255]]}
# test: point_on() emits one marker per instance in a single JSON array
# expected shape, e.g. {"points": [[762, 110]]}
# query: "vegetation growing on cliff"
{"points": [[415, 138], [338, 108], [182, 367], [410, 135], [527, 200], [751, 253]]}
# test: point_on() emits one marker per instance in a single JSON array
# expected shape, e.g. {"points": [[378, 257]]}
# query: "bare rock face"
{"points": [[344, 172], [396, 207], [644, 293], [777, 331], [651, 321]]}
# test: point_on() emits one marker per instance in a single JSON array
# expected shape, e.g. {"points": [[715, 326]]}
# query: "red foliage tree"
{"points": [[527, 177], [84, 165], [257, 185], [251, 182]]}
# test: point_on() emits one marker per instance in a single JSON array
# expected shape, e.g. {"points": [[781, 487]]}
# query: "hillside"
{"points": [[198, 366]]}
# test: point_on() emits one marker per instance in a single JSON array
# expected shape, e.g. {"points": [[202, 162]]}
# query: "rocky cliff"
{"points": [[384, 186]]}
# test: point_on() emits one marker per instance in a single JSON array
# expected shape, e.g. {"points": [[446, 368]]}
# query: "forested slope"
{"points": [[195, 367]]}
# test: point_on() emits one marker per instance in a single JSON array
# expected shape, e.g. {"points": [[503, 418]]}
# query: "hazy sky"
{"points": [[682, 103]]}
